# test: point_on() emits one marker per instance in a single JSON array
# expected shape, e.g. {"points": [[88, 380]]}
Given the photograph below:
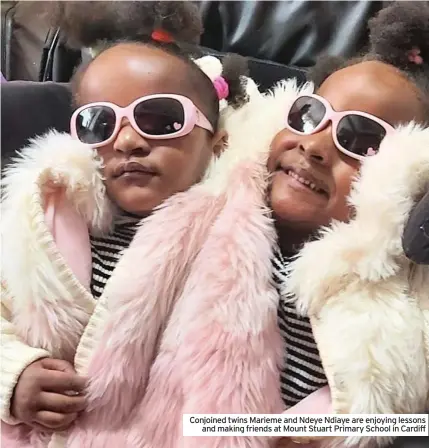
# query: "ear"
{"points": [[219, 142]]}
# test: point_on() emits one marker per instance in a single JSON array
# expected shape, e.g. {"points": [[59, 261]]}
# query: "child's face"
{"points": [[370, 87], [121, 75]]}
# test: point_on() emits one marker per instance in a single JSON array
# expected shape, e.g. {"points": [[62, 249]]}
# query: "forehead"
{"points": [[129, 71], [375, 88]]}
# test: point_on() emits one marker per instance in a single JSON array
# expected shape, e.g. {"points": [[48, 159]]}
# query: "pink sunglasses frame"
{"points": [[335, 117], [193, 117]]}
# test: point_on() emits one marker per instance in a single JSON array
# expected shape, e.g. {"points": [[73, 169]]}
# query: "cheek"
{"points": [[344, 177], [192, 159], [285, 140]]}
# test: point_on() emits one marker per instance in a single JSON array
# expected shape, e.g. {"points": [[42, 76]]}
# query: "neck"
{"points": [[133, 215], [289, 239], [121, 212]]}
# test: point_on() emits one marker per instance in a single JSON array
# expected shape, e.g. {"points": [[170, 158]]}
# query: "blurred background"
{"points": [[292, 33]]}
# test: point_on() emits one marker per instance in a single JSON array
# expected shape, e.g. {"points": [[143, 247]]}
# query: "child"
{"points": [[352, 285], [153, 116], [201, 329], [366, 304], [349, 282]]}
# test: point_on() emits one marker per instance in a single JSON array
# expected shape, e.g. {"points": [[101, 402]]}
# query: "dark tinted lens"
{"points": [[360, 135], [160, 116], [95, 124], [305, 114]]}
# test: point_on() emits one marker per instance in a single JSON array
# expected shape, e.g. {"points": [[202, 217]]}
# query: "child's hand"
{"points": [[47, 395]]}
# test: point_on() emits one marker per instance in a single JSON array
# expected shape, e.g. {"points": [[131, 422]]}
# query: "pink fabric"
{"points": [[72, 240], [71, 236], [22, 436], [187, 331], [55, 317], [197, 332], [15, 436], [318, 402], [148, 278]]}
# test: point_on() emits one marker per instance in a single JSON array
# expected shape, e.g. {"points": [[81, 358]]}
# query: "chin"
{"points": [[141, 204], [297, 216], [297, 205], [296, 223], [139, 208]]}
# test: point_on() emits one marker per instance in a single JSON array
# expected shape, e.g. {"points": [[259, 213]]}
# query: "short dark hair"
{"points": [[397, 31]]}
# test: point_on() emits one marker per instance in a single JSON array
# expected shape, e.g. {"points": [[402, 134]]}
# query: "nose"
{"points": [[320, 147], [317, 148], [129, 140]]}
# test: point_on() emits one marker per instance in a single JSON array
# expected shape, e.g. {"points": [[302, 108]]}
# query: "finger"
{"points": [[54, 420], [62, 404], [57, 364], [62, 382]]}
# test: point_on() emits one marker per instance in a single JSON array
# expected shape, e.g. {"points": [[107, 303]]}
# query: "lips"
{"points": [[308, 179], [134, 167]]}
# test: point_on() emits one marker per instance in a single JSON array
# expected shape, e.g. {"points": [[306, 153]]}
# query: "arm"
{"points": [[16, 357]]}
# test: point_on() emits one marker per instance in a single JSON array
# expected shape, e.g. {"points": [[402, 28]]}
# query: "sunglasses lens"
{"points": [[160, 116], [306, 114], [95, 124], [360, 135]]}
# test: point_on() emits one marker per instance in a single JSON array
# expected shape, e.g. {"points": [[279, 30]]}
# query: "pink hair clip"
{"points": [[414, 56], [221, 87]]}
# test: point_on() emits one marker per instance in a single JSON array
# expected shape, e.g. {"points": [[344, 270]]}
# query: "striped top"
{"points": [[107, 251], [303, 373]]}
